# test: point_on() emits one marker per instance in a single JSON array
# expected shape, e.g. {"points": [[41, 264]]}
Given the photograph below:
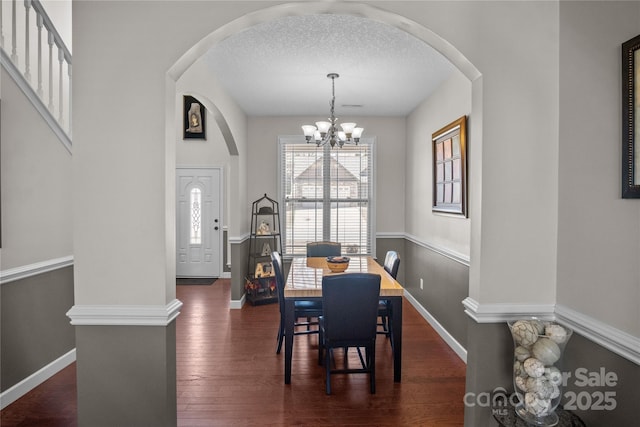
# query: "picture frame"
{"points": [[631, 118], [194, 118], [449, 165]]}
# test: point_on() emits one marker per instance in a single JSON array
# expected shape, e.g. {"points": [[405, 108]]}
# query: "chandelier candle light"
{"points": [[327, 132]]}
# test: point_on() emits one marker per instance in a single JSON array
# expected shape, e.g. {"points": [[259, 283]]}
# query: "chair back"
{"points": [[276, 261], [392, 263], [350, 307], [318, 249]]}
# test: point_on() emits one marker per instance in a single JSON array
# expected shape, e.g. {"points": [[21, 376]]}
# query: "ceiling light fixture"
{"points": [[327, 132]]}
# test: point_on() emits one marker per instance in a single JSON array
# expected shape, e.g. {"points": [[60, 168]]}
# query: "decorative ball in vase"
{"points": [[537, 368]]}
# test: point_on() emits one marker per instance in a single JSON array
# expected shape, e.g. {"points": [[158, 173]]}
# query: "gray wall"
{"points": [[35, 330], [108, 357], [446, 284]]}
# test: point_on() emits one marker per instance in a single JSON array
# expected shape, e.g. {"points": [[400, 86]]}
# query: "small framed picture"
{"points": [[194, 117]]}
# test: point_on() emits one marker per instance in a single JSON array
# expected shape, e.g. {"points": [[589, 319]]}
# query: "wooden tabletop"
{"points": [[305, 276]]}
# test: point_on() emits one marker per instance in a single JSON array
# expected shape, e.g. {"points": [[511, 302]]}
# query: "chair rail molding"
{"points": [[18, 273], [124, 315], [455, 256], [609, 337], [613, 339], [236, 240]]}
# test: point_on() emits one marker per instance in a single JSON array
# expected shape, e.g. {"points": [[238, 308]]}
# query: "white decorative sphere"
{"points": [[546, 351], [521, 383], [533, 367], [518, 369], [535, 405], [539, 325], [524, 333], [522, 353], [556, 391], [541, 387], [553, 374], [556, 333]]}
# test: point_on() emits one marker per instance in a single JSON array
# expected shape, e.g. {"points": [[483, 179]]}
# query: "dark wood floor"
{"points": [[229, 375]]}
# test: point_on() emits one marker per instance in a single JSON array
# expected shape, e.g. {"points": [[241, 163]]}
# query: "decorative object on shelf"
{"points": [[194, 118], [263, 228], [450, 168], [264, 237], [266, 250], [631, 118], [537, 368], [263, 269], [327, 132], [338, 264]]}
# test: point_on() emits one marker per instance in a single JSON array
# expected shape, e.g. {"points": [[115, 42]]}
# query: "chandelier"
{"points": [[327, 132]]}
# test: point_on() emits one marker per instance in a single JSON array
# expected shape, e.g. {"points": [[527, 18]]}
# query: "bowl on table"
{"points": [[337, 264]]}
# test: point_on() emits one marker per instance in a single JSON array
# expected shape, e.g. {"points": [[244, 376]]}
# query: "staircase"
{"points": [[38, 61]]}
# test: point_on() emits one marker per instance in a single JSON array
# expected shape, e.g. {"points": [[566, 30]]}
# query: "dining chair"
{"points": [[391, 265], [321, 249], [349, 319], [303, 308]]}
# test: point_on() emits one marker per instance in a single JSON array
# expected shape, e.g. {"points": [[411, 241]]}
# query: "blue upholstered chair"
{"points": [[307, 309], [349, 319], [391, 265], [322, 249]]}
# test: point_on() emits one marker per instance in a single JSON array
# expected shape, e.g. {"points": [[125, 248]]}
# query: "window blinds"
{"points": [[327, 195]]}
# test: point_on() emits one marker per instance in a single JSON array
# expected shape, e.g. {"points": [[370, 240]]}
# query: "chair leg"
{"points": [[320, 347], [280, 337], [327, 370], [371, 356]]}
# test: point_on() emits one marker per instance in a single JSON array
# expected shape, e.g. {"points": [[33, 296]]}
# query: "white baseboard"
{"points": [[32, 381], [238, 304], [444, 334]]}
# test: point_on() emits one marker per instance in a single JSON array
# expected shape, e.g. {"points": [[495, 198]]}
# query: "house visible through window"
{"points": [[327, 194]]}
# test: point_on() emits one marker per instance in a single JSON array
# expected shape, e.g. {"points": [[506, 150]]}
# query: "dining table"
{"points": [[304, 282]]}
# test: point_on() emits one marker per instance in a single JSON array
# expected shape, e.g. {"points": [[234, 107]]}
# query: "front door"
{"points": [[198, 228]]}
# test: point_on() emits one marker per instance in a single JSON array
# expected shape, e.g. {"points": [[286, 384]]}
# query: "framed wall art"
{"points": [[450, 168], [631, 118], [194, 117]]}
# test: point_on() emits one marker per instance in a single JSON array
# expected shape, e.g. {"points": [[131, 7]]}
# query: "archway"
{"points": [[295, 9]]}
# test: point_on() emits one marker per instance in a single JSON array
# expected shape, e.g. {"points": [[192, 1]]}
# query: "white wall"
{"points": [[214, 151], [36, 185], [451, 101], [60, 13], [390, 148], [513, 45], [599, 232]]}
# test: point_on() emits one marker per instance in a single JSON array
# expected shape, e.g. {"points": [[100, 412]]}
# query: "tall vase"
{"points": [[537, 368]]}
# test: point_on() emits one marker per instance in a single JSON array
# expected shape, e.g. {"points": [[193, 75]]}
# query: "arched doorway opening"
{"points": [[234, 134]]}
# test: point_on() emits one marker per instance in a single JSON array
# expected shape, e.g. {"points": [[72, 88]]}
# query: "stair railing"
{"points": [[51, 89]]}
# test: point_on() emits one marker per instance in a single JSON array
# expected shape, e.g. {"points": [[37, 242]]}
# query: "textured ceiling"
{"points": [[280, 67]]}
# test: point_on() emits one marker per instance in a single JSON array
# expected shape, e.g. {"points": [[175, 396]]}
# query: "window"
{"points": [[327, 194], [196, 215]]}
